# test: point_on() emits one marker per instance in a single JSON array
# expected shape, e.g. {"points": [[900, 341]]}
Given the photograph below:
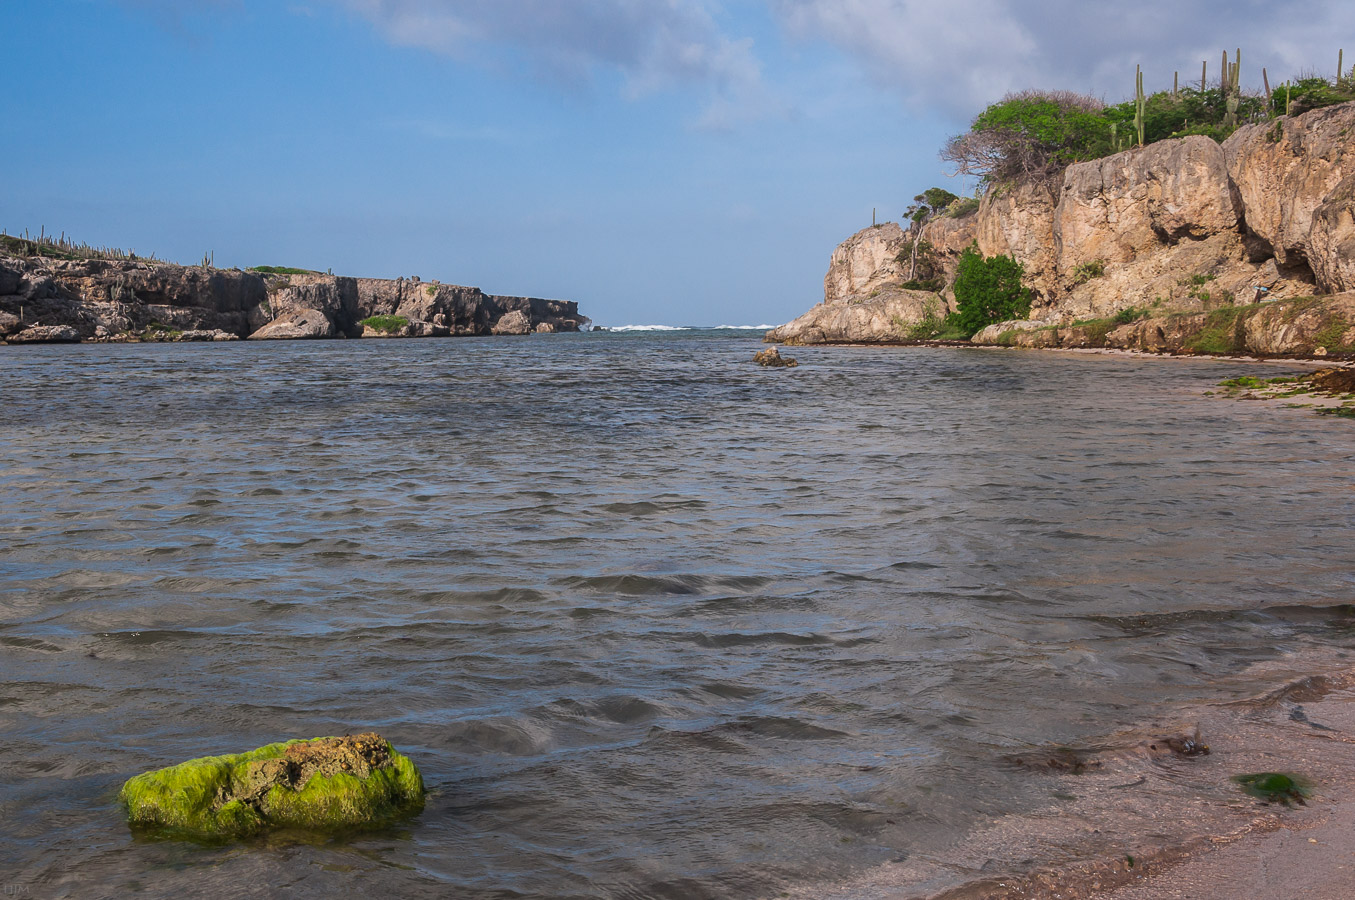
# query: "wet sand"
{"points": [[1279, 853], [1117, 836]]}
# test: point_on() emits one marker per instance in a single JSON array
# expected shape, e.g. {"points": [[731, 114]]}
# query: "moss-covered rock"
{"points": [[326, 784]]}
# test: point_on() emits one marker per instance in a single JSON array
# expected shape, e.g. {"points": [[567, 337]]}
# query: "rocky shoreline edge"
{"points": [[1158, 810], [1183, 246], [47, 299]]}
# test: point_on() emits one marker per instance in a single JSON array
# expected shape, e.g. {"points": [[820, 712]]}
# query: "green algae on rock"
{"points": [[326, 784], [1275, 787]]}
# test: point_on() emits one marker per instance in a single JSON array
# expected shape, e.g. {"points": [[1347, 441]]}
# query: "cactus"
{"points": [[1140, 101], [1204, 72], [1232, 94]]}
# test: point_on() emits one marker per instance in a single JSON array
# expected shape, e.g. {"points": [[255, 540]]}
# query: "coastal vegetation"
{"points": [[385, 324], [62, 247], [988, 289], [281, 270], [1034, 135]]}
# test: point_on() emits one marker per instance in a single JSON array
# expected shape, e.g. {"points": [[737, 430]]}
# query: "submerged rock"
{"points": [[326, 784], [772, 358]]}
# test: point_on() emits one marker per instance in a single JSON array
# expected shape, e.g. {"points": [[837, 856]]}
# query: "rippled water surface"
{"points": [[653, 621]]}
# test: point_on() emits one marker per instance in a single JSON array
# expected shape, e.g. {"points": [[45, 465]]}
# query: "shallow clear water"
{"points": [[653, 621]]}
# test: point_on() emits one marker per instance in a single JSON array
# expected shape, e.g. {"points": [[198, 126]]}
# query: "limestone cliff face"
{"points": [[1285, 171], [1181, 226], [1332, 239], [1018, 221], [880, 319], [138, 300], [863, 300], [864, 262]]}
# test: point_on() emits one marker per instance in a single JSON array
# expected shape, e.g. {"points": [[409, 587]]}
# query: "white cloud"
{"points": [[961, 55], [654, 44]]}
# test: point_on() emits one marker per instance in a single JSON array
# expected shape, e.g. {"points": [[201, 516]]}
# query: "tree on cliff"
{"points": [[1031, 135], [988, 290], [931, 202]]}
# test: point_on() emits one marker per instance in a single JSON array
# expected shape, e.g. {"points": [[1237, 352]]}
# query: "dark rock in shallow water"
{"points": [[326, 784], [772, 358]]}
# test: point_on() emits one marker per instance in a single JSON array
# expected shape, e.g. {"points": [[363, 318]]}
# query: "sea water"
{"points": [[654, 621]]}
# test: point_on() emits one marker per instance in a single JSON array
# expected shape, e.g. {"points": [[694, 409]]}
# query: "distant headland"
{"points": [[53, 290]]}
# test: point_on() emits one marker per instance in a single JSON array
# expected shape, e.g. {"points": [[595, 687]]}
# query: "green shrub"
{"points": [[1031, 135], [1129, 314], [1087, 271], [282, 270], [1190, 111], [385, 324], [988, 290], [931, 324], [965, 206], [1310, 93]]}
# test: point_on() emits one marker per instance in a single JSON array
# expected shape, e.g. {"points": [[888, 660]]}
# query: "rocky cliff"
{"points": [[1179, 227], [44, 300]]}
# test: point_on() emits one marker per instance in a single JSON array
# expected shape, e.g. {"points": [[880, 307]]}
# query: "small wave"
{"points": [[648, 328], [743, 327]]}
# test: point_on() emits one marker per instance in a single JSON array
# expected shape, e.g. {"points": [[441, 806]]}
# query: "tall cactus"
{"points": [[1232, 94], [1140, 101]]}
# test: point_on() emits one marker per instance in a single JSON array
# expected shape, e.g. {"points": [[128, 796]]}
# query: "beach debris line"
{"points": [[325, 784], [1077, 761], [771, 358]]}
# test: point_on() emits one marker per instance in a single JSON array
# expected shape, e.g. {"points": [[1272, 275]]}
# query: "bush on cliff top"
{"points": [[282, 270], [1311, 93], [1030, 136], [988, 290]]}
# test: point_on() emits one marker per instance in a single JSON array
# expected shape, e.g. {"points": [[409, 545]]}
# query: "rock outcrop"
{"points": [[887, 317], [1184, 226], [142, 300], [1285, 171], [327, 784], [864, 262], [1301, 327], [771, 358]]}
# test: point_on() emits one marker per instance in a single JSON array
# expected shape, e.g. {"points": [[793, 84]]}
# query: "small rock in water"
{"points": [[772, 358], [325, 784]]}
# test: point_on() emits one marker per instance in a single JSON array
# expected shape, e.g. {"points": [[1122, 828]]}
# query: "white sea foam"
{"points": [[688, 327]]}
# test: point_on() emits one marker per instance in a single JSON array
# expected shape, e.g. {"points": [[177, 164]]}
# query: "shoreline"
{"points": [[1342, 361], [1188, 831]]}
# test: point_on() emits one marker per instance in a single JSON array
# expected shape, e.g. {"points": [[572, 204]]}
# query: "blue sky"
{"points": [[660, 161]]}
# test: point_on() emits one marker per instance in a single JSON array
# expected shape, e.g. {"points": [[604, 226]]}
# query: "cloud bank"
{"points": [[654, 44], [959, 56]]}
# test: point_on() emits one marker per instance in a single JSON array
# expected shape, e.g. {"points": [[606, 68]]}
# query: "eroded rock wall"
{"points": [[1179, 226], [44, 300]]}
